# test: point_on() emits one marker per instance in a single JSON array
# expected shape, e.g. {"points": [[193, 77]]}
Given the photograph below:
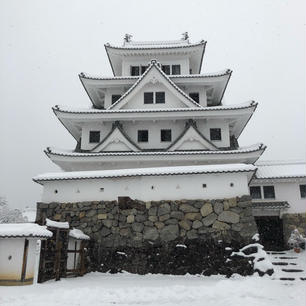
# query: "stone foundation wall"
{"points": [[128, 231], [293, 221]]}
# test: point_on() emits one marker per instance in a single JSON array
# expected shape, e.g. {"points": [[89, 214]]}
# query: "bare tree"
{"points": [[8, 215]]}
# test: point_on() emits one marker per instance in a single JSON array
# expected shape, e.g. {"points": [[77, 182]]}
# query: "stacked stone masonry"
{"points": [[131, 222], [176, 237]]}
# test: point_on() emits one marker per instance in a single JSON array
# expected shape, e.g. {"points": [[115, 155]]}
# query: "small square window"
{"points": [[176, 69], [148, 98], [143, 136], [143, 69], [303, 191], [195, 96], [215, 134], [269, 192], [160, 97], [166, 69], [165, 135], [255, 192], [115, 98], [134, 70], [94, 136], [204, 185]]}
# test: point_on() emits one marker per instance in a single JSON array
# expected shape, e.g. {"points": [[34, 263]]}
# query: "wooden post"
{"points": [[24, 261], [57, 256]]}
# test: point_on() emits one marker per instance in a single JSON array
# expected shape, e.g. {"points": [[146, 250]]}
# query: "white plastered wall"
{"points": [[11, 258], [286, 191], [162, 59], [154, 128], [147, 188]]}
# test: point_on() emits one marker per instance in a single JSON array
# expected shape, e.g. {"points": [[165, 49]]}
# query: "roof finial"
{"points": [[127, 37], [185, 36]]}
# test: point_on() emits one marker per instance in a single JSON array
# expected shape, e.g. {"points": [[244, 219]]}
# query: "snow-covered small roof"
{"points": [[280, 169], [51, 223], [16, 230], [270, 205], [72, 153], [76, 110], [203, 169], [78, 234]]}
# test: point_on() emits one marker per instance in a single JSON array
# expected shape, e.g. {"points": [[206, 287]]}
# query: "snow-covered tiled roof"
{"points": [[16, 230], [203, 75], [51, 223], [145, 45], [270, 205], [78, 234], [206, 169], [253, 148], [280, 169], [73, 110]]}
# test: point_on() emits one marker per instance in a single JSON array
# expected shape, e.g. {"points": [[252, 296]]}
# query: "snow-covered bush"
{"points": [[296, 240], [8, 215], [260, 260]]}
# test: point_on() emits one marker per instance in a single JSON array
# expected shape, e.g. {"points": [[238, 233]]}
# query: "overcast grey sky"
{"points": [[45, 44]]}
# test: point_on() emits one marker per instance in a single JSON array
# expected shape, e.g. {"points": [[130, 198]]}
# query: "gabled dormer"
{"points": [[154, 89]]}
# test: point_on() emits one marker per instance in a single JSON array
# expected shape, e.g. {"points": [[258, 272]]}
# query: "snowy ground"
{"points": [[127, 289]]}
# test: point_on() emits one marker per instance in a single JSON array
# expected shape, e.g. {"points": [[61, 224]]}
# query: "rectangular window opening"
{"points": [[195, 96], [134, 70], [115, 98], [143, 136], [165, 135], [255, 192], [143, 69], [160, 97], [269, 192], [94, 136], [215, 134], [166, 69], [148, 98], [303, 191], [176, 69]]}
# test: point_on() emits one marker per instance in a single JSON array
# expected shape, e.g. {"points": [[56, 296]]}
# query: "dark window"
{"points": [[143, 69], [195, 96], [134, 70], [94, 136], [303, 191], [165, 135], [255, 192], [115, 98], [148, 98], [269, 192], [215, 134], [143, 136], [160, 97], [166, 69], [176, 69]]}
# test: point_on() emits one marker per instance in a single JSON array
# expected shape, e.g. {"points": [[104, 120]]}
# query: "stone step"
{"points": [[276, 253], [287, 278], [303, 278], [292, 264], [292, 270], [285, 257], [280, 263]]}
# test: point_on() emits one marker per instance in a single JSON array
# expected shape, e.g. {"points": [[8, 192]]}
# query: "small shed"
{"points": [[76, 252], [18, 252]]}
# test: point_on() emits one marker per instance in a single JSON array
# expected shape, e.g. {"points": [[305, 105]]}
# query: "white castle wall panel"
{"points": [[147, 188]]}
